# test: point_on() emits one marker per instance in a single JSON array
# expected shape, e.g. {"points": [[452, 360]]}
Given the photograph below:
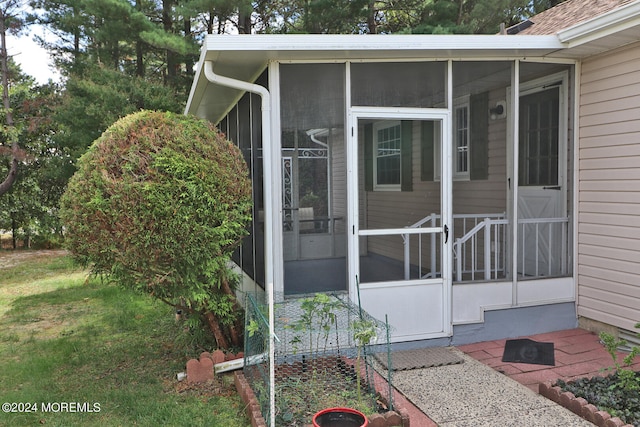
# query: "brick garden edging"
{"points": [[388, 419], [580, 406], [249, 398], [201, 370]]}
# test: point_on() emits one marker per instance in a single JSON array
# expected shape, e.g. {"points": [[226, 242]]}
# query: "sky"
{"points": [[33, 59]]}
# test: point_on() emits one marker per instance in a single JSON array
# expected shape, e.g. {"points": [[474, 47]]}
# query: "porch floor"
{"points": [[484, 391], [330, 274]]}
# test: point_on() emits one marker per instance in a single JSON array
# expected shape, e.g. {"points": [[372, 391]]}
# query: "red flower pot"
{"points": [[340, 417]]}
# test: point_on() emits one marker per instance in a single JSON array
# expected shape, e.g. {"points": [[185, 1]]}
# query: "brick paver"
{"points": [[578, 353]]}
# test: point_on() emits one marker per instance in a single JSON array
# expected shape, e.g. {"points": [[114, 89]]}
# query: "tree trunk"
{"points": [[371, 18], [188, 62], [237, 325], [139, 51], [214, 325], [15, 148], [172, 63], [460, 13], [244, 20], [14, 239]]}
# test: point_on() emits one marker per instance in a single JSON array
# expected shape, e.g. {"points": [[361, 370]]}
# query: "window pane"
{"points": [[389, 170], [539, 138], [388, 144], [461, 136]]}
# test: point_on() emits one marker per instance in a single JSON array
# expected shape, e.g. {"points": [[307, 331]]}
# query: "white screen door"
{"points": [[399, 244]]}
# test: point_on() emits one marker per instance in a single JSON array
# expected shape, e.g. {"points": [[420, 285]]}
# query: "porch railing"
{"points": [[543, 247], [480, 251], [493, 232], [463, 224]]}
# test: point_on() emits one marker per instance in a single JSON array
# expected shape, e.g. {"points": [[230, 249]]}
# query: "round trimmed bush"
{"points": [[158, 204]]}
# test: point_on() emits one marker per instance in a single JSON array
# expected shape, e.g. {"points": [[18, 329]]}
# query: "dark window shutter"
{"points": [[406, 179], [427, 151], [368, 157], [479, 146]]}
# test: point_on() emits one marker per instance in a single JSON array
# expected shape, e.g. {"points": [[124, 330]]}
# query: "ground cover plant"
{"points": [[605, 395], [88, 353], [617, 393]]}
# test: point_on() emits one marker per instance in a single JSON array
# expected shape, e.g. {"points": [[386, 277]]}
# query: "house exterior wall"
{"points": [[490, 195], [608, 264]]}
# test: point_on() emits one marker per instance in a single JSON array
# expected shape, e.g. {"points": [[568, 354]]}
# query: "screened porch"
{"points": [[509, 204]]}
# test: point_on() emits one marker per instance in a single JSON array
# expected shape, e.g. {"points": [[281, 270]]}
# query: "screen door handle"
{"points": [[552, 187], [446, 233]]}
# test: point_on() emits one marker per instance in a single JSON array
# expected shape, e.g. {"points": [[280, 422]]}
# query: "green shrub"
{"points": [[158, 204], [626, 378]]}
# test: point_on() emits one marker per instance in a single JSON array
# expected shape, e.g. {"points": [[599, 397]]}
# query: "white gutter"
{"points": [[359, 46], [617, 20], [268, 205]]}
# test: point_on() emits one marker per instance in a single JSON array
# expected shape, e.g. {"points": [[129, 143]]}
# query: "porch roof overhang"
{"points": [[244, 57]]}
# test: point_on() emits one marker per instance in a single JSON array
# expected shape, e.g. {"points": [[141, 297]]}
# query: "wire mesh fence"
{"points": [[324, 356]]}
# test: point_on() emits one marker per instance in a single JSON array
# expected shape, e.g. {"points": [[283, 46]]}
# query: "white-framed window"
{"points": [[461, 141], [387, 157]]}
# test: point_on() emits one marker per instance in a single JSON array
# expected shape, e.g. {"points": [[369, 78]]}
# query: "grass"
{"points": [[69, 340]]}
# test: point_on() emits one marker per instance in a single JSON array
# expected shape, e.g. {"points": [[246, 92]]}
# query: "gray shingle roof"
{"points": [[565, 15]]}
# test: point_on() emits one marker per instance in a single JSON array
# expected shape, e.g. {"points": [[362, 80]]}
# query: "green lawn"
{"points": [[83, 353]]}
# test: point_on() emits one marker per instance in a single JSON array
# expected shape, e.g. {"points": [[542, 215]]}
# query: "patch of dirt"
{"points": [[46, 322], [16, 257], [221, 385], [43, 321]]}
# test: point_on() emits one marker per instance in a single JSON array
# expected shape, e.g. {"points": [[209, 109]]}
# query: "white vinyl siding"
{"points": [[487, 196], [609, 194]]}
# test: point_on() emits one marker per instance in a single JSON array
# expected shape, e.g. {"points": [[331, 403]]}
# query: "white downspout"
{"points": [[268, 205], [577, 82]]}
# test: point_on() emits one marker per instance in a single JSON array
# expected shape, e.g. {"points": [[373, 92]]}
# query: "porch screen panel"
{"points": [[243, 126], [387, 255], [313, 169], [481, 226], [544, 171], [398, 84]]}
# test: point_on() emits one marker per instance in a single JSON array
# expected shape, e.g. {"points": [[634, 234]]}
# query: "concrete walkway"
{"points": [[484, 391], [474, 395]]}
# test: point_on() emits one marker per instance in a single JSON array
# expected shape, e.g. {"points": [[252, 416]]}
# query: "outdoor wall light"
{"points": [[499, 111]]}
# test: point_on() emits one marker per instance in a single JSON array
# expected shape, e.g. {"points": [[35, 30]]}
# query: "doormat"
{"points": [[419, 358], [529, 351]]}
